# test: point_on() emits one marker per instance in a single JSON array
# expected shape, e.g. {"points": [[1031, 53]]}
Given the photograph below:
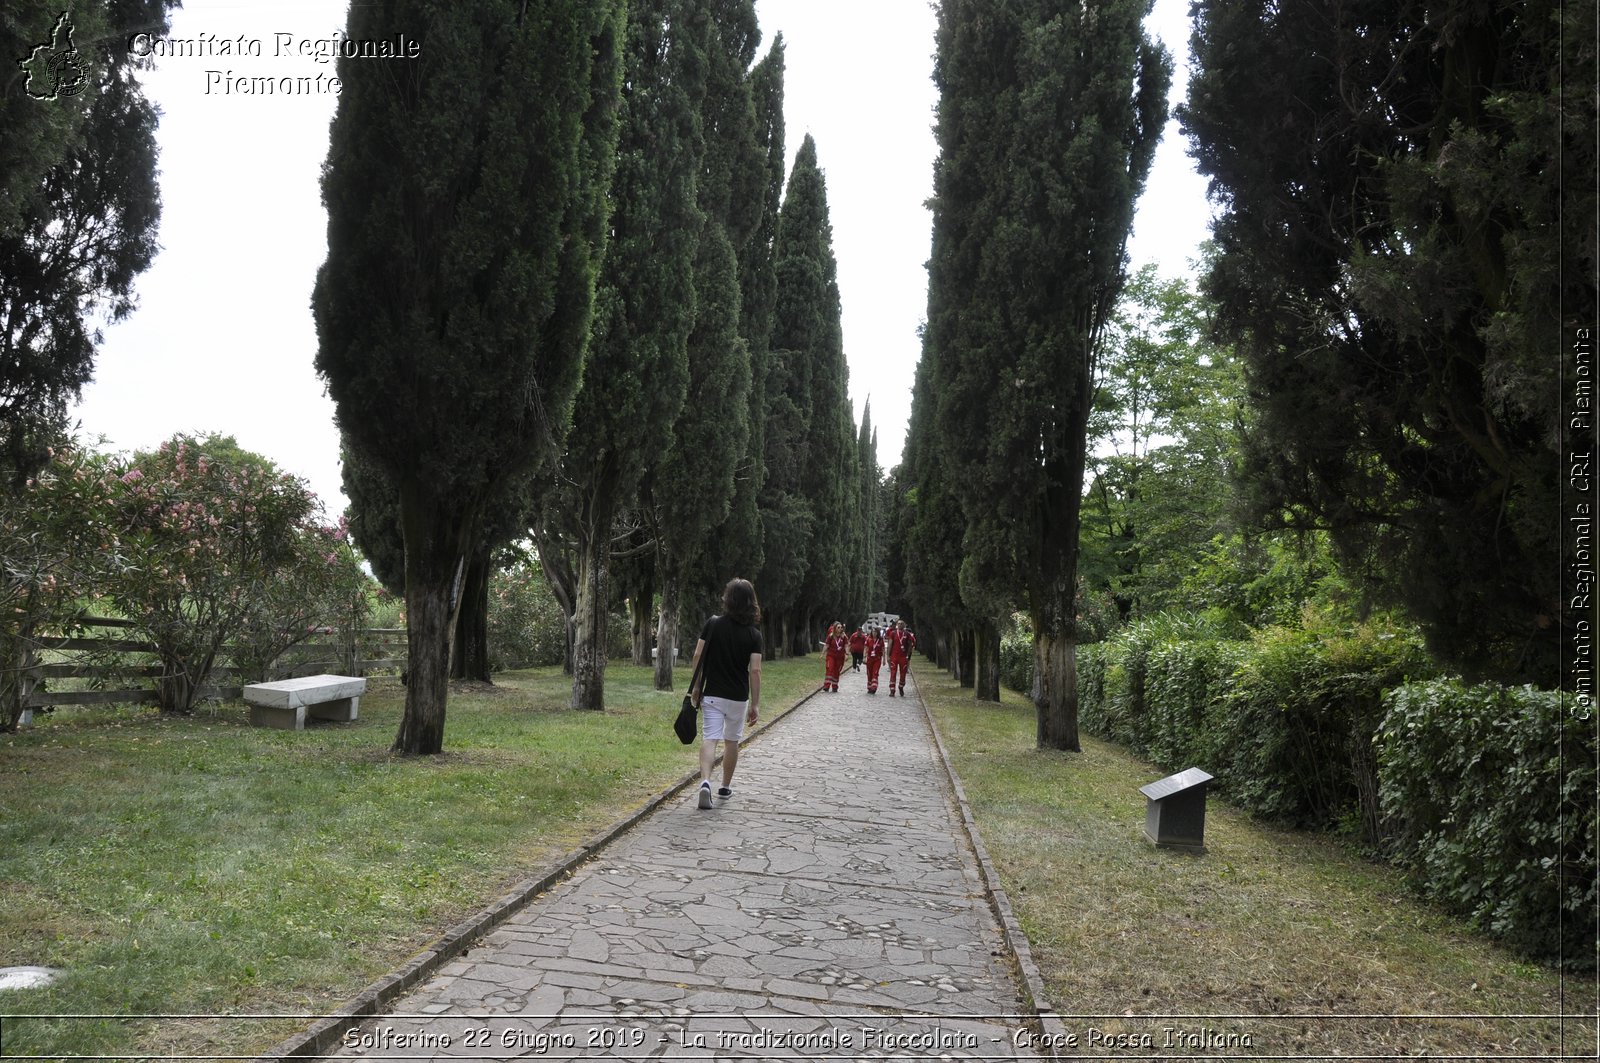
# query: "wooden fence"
{"points": [[132, 681]]}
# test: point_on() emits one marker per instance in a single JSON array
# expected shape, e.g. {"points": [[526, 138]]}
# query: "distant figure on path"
{"points": [[729, 691], [901, 643], [874, 654], [858, 643], [834, 648]]}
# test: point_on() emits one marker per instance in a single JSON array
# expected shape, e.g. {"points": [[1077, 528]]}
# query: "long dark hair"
{"points": [[739, 602]]}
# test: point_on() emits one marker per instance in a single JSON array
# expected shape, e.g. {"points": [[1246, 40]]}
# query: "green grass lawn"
{"points": [[1296, 928], [186, 866], [194, 866]]}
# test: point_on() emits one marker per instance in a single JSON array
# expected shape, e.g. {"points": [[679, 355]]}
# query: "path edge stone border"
{"points": [[1054, 1030], [325, 1034]]}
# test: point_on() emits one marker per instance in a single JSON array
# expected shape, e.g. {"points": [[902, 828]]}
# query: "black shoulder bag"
{"points": [[687, 723]]}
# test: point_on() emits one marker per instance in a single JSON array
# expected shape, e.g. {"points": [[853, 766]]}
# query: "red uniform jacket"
{"points": [[874, 648], [901, 643], [837, 645], [858, 642]]}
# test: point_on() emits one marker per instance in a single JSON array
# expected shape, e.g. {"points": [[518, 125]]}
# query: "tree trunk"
{"points": [[436, 534], [589, 651], [639, 606], [986, 659], [469, 658], [1056, 658], [16, 682], [966, 654], [667, 631]]}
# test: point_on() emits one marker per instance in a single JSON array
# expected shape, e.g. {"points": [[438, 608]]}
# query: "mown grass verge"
{"points": [[198, 866], [1270, 943]]}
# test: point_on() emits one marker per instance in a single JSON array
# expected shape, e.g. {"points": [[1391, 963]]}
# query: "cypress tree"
{"points": [[808, 426], [744, 535], [869, 584], [466, 196], [1402, 256], [637, 372], [1048, 119], [695, 486]]}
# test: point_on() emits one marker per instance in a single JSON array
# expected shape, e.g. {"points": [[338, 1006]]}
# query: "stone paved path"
{"points": [[831, 910]]}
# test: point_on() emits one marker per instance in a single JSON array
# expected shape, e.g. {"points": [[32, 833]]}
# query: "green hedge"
{"points": [[1483, 795], [1489, 799], [1016, 659], [1284, 720]]}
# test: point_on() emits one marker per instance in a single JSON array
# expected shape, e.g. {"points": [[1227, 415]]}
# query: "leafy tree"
{"points": [[637, 373], [1400, 255], [373, 518], [526, 626], [1163, 441], [210, 544], [695, 488], [869, 518], [53, 539], [79, 206], [1048, 119], [467, 209]]}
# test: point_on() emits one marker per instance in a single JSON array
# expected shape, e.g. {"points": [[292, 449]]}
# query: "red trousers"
{"points": [[833, 665], [873, 664], [902, 666]]}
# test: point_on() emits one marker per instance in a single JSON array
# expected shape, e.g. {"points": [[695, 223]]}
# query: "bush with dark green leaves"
{"points": [[1294, 736], [1016, 658], [1488, 797], [1284, 720], [1148, 688]]}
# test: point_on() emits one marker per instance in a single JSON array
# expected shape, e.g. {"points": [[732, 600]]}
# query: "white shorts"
{"points": [[722, 719]]}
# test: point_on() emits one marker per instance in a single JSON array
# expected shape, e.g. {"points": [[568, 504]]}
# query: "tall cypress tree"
{"points": [[743, 538], [637, 372], [1048, 119], [869, 585], [466, 195], [694, 487], [1401, 256], [806, 420]]}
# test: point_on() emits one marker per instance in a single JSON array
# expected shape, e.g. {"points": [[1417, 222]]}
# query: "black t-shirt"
{"points": [[727, 657]]}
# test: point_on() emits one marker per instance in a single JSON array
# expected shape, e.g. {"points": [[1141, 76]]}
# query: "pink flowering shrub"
{"points": [[215, 546]]}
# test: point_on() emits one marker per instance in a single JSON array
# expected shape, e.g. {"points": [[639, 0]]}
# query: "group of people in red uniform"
{"points": [[871, 646]]}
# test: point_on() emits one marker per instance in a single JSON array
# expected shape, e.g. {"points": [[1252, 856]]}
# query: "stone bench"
{"points": [[286, 703]]}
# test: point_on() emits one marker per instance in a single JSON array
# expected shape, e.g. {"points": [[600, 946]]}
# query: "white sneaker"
{"points": [[705, 795]]}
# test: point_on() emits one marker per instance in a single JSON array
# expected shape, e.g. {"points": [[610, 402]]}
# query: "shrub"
{"points": [[214, 544], [1488, 794], [1186, 677], [1295, 733], [526, 628], [1016, 655], [1151, 684], [52, 542]]}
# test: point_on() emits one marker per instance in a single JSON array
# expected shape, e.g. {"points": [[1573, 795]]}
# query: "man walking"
{"points": [[901, 643]]}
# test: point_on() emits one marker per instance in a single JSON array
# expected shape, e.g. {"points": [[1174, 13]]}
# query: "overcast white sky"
{"points": [[223, 338]]}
